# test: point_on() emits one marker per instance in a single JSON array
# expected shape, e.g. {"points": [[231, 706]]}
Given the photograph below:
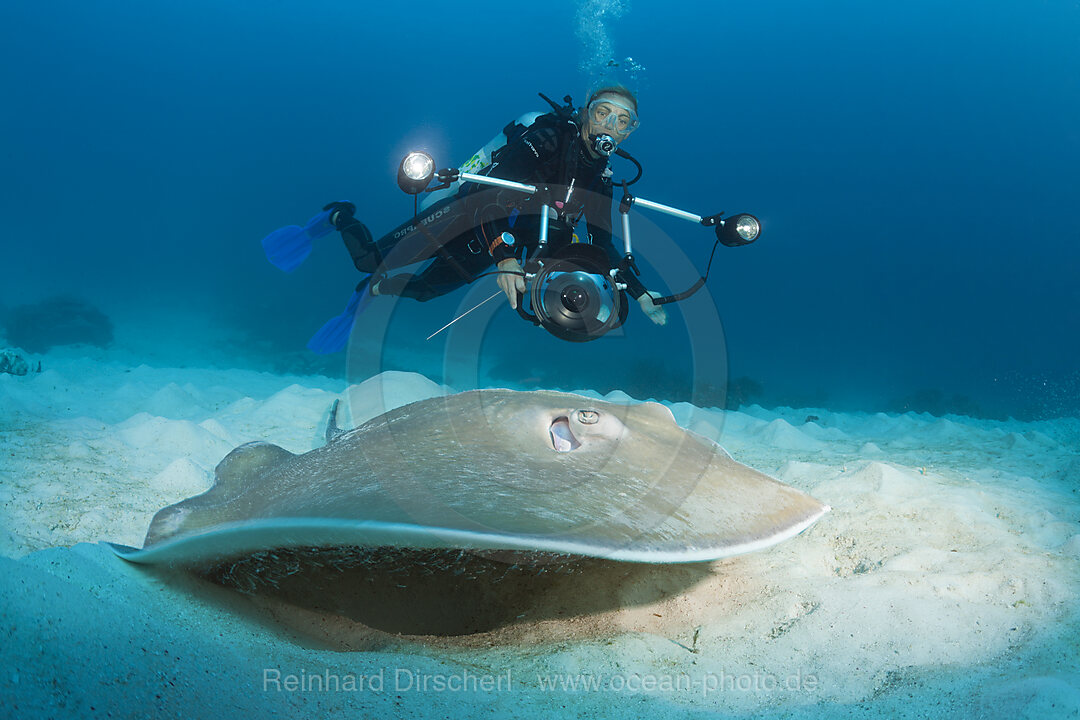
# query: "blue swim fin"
{"points": [[334, 334], [289, 246]]}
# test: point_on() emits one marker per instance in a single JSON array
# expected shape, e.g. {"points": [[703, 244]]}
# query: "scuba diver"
{"points": [[514, 204], [467, 227]]}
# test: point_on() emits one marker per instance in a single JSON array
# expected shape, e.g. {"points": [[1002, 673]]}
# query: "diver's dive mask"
{"points": [[609, 113]]}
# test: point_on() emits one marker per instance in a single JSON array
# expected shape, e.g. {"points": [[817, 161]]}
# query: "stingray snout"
{"points": [[583, 427]]}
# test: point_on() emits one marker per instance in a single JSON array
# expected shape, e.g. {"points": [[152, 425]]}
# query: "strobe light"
{"points": [[737, 230], [415, 172]]}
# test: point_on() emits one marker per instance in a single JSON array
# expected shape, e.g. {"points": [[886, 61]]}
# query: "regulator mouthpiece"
{"points": [[603, 145]]}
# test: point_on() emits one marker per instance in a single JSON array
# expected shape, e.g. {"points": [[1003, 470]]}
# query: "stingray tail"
{"points": [[332, 429]]}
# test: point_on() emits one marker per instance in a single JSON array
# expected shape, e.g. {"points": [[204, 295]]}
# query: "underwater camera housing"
{"points": [[572, 294]]}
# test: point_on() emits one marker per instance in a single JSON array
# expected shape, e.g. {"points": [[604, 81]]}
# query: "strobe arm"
{"points": [[738, 230], [451, 175]]}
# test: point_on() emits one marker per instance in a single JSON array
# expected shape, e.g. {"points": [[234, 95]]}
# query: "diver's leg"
{"points": [[365, 254], [437, 279], [411, 242]]}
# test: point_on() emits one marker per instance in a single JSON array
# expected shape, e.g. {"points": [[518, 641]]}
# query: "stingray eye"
{"points": [[588, 417]]}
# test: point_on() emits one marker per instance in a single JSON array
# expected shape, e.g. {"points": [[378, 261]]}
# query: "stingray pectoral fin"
{"points": [[660, 413], [233, 476]]}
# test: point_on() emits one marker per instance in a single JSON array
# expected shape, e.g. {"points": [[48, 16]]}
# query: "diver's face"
{"points": [[608, 115]]}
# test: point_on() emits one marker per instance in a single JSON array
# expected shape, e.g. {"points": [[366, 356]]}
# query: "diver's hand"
{"points": [[656, 313], [340, 211], [512, 285]]}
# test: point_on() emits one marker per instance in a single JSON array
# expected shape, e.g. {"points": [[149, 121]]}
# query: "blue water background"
{"points": [[914, 165]]}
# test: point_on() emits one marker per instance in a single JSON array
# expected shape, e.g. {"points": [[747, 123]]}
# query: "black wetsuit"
{"points": [[463, 232]]}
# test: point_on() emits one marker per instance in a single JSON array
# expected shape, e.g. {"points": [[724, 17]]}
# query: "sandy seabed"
{"points": [[943, 583]]}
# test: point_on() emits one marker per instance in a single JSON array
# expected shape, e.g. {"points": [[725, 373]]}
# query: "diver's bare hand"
{"points": [[512, 285], [656, 313]]}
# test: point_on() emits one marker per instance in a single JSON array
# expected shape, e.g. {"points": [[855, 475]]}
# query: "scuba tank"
{"points": [[483, 158]]}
